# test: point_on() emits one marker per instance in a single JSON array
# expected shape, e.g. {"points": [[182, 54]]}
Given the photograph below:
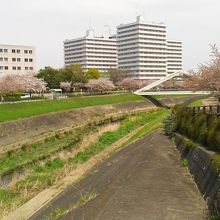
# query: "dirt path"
{"points": [[143, 181]]}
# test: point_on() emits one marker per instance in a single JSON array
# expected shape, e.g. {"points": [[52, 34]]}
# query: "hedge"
{"points": [[200, 127]]}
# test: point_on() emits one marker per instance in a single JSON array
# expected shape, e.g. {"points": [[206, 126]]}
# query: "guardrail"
{"points": [[209, 109]]}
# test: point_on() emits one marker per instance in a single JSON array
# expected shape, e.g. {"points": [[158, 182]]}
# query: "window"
{"points": [[18, 59], [1, 50], [26, 60], [5, 50], [25, 51], [18, 51], [18, 68], [14, 59], [31, 68], [13, 51], [30, 52], [6, 67], [6, 59], [1, 58], [30, 60], [1, 67], [26, 68], [14, 67]]}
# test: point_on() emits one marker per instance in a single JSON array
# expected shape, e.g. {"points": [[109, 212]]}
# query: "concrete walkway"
{"points": [[144, 181], [210, 101]]}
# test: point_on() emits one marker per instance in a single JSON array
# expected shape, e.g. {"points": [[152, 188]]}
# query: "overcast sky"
{"points": [[45, 24]]}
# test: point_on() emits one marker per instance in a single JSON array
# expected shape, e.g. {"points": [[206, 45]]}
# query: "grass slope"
{"points": [[24, 110], [196, 103], [159, 97], [43, 176]]}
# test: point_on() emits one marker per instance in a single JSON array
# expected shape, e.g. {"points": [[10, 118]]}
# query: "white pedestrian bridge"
{"points": [[152, 89]]}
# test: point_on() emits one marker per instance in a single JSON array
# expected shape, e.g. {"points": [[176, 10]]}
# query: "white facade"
{"points": [[143, 50], [16, 59], [174, 56], [92, 52]]}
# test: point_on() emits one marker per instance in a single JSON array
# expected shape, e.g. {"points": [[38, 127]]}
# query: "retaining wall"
{"points": [[205, 176]]}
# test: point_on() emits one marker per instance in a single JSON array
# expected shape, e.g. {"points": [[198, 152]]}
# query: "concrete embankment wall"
{"points": [[205, 176]]}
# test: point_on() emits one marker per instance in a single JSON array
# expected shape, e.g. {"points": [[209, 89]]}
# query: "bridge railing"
{"points": [[209, 109]]}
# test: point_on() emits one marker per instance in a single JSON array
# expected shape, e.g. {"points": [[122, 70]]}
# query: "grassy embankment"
{"points": [[31, 154], [44, 176], [24, 110], [196, 103], [159, 97]]}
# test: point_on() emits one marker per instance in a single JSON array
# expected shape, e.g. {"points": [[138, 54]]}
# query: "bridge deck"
{"points": [[148, 89], [174, 92]]}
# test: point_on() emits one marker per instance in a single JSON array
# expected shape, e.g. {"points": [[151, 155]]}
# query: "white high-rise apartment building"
{"points": [[92, 52], [16, 59], [144, 52], [174, 56]]}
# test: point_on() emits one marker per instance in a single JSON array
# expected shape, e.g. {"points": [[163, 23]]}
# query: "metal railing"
{"points": [[209, 109]]}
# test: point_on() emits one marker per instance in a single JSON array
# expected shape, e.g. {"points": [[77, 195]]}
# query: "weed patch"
{"points": [[184, 163], [58, 212]]}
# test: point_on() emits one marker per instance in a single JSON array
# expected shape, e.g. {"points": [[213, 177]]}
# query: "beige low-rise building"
{"points": [[15, 59]]}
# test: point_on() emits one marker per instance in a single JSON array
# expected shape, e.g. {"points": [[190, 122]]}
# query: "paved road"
{"points": [[143, 181]]}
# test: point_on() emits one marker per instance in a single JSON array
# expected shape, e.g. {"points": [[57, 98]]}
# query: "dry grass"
{"points": [[28, 192]]}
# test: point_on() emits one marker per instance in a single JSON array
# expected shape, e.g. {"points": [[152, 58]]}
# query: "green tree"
{"points": [[75, 73], [65, 75], [50, 76], [116, 75], [92, 73]]}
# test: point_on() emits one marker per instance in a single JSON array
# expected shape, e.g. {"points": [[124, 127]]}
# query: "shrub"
{"points": [[201, 128], [190, 144], [216, 161], [169, 125]]}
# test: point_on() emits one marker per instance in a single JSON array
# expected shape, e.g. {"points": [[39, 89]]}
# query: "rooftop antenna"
{"points": [[144, 14], [107, 31], [90, 23], [139, 9]]}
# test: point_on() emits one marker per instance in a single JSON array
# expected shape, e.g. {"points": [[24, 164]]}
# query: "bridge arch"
{"points": [[147, 90]]}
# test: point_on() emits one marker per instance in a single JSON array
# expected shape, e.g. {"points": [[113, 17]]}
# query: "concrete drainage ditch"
{"points": [[205, 176]]}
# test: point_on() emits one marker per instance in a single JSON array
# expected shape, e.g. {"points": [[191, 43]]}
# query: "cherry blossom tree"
{"points": [[66, 86], [173, 84], [30, 83], [130, 84], [7, 85], [208, 75], [100, 85], [78, 85], [21, 83]]}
